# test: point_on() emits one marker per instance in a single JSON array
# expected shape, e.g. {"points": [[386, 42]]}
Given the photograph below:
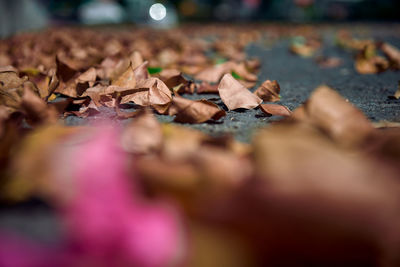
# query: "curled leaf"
{"points": [[150, 92], [274, 109], [126, 79], [235, 95], [392, 53], [189, 111], [340, 119], [368, 62], [269, 91], [207, 88]]}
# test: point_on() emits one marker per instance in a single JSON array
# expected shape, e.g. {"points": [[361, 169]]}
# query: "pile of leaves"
{"points": [[370, 56], [368, 60], [321, 185], [78, 71]]}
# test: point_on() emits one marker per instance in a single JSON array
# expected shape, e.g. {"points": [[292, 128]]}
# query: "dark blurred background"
{"points": [[17, 15]]}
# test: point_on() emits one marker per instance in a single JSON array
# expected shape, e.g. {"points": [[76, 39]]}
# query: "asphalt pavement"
{"points": [[299, 76]]}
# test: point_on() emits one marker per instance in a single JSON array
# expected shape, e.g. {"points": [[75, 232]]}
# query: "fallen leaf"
{"points": [[242, 71], [88, 76], [36, 110], [199, 111], [64, 72], [340, 119], [386, 124], [397, 93], [207, 88], [253, 64], [304, 47], [274, 109], [136, 59], [9, 78], [126, 79], [392, 53], [154, 93], [122, 114], [368, 62], [175, 80], [234, 95], [213, 74], [269, 91], [335, 195], [143, 134]]}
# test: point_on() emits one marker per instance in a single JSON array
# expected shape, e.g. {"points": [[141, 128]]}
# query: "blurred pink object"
{"points": [[107, 219], [107, 222], [18, 252]]}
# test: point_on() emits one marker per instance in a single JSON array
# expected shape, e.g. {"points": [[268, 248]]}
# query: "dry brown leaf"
{"points": [[143, 134], [234, 95], [392, 53], [340, 119], [141, 72], [69, 82], [124, 115], [269, 91], [88, 76], [253, 64], [241, 70], [175, 80], [36, 110], [64, 71], [397, 93], [10, 90], [199, 111], [303, 50], [180, 143], [336, 194], [373, 65], [136, 59], [345, 40], [192, 69], [54, 82], [386, 124], [165, 74], [188, 88], [126, 79], [207, 88], [368, 62], [9, 78], [153, 93], [274, 109], [213, 74]]}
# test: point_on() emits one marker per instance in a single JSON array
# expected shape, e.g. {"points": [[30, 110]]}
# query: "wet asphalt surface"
{"points": [[297, 77]]}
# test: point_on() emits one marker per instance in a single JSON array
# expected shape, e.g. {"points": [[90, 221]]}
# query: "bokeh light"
{"points": [[157, 11]]}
